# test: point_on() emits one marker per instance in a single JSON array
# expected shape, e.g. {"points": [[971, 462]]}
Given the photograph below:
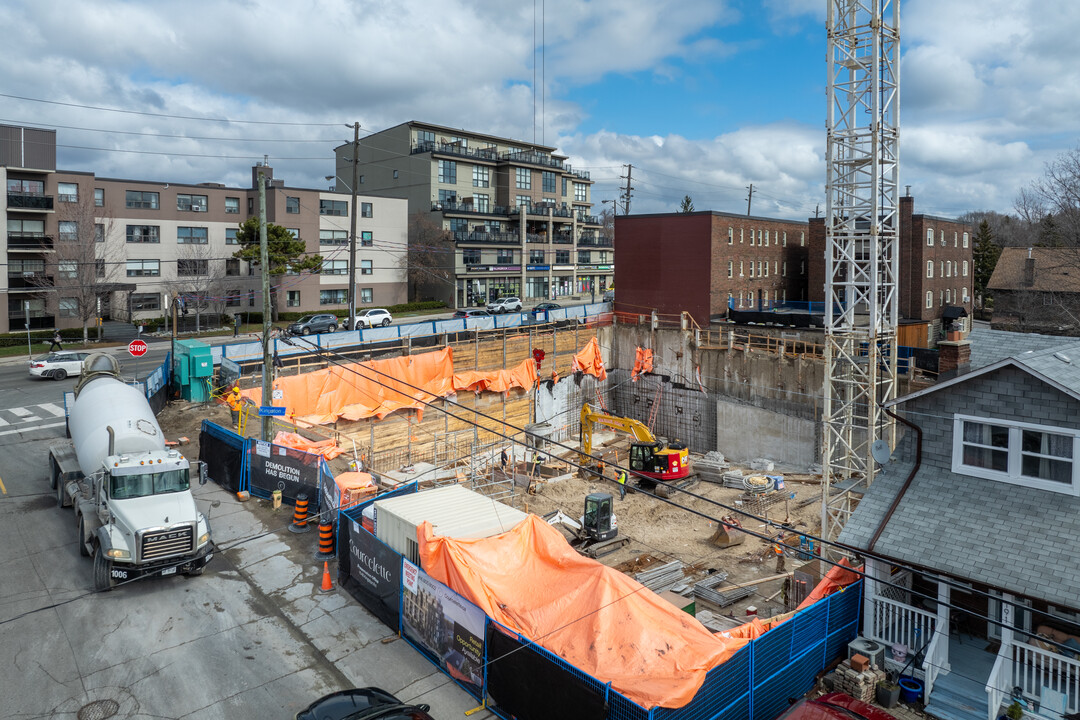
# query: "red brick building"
{"points": [[700, 262]]}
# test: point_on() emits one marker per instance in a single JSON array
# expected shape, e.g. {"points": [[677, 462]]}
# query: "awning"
{"points": [[953, 312]]}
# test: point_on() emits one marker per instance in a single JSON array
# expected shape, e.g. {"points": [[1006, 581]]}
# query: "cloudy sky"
{"points": [[703, 98]]}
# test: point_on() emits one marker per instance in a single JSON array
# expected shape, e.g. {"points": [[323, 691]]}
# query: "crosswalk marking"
{"points": [[54, 409], [3, 422], [21, 412], [30, 429]]}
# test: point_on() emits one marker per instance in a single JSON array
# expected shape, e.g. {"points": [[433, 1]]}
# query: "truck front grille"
{"points": [[171, 542]]}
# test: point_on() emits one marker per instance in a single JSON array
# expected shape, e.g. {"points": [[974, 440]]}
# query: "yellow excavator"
{"points": [[652, 459]]}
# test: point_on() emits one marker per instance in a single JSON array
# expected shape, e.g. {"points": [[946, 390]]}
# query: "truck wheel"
{"points": [[61, 493], [82, 539], [102, 572]]}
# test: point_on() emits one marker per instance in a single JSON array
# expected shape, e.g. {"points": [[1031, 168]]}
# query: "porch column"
{"points": [[1008, 618], [874, 570], [944, 593]]}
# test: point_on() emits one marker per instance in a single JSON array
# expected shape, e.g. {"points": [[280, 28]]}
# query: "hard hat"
{"points": [[236, 389]]}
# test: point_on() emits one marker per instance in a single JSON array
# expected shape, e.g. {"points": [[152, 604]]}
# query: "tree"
{"points": [[1057, 194], [687, 205], [286, 253], [430, 259], [985, 254], [197, 272]]}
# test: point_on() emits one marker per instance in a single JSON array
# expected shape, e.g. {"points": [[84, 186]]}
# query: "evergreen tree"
{"points": [[687, 205], [287, 254], [985, 254]]}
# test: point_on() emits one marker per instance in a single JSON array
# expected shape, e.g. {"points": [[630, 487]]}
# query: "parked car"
{"points": [[609, 296], [544, 307], [373, 317], [322, 322], [362, 704], [58, 365], [503, 305], [471, 312], [834, 706]]}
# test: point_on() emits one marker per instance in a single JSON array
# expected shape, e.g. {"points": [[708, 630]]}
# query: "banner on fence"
{"points": [[272, 467], [221, 452], [447, 625], [376, 570]]}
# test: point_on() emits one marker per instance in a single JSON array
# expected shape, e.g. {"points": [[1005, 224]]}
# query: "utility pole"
{"points": [[172, 344], [352, 225], [629, 187], [749, 199], [264, 261]]}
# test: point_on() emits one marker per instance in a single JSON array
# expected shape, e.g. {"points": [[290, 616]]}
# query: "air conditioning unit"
{"points": [[871, 649], [198, 208], [967, 298]]}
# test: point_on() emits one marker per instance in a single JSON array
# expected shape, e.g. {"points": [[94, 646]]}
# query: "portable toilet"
{"points": [[192, 368]]}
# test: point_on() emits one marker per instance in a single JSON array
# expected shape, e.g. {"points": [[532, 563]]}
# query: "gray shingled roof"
{"points": [[990, 346], [1006, 536]]}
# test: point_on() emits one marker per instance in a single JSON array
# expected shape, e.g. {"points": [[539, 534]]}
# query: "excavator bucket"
{"points": [[728, 534]]}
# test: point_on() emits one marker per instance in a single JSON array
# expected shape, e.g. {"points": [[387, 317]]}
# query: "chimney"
{"points": [[954, 357], [1029, 270]]}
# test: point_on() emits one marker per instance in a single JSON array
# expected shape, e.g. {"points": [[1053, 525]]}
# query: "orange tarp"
{"points": [[590, 361], [642, 364], [523, 376], [327, 448], [596, 618], [838, 578], [351, 486]]}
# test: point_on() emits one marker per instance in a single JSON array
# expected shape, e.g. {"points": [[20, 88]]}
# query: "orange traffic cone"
{"points": [[327, 583]]}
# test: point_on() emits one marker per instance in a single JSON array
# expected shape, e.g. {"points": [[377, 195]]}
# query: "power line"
{"points": [[159, 135]]}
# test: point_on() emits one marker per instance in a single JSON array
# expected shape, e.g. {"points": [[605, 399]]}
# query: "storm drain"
{"points": [[98, 710]]}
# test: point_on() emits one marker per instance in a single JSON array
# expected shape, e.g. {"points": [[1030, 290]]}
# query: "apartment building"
{"points": [[77, 245], [705, 262], [521, 217]]}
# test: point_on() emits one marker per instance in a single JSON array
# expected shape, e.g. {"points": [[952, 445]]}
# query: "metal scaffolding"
{"points": [[862, 247]]}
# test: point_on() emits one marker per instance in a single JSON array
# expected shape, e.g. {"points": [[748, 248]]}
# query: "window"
{"points": [[523, 201], [67, 192], [730, 268], [192, 235], [335, 267], [965, 239], [232, 266], [948, 295], [99, 268], [955, 239], [504, 256], [230, 236], [930, 237], [480, 202], [292, 298], [447, 171], [941, 237], [366, 267], [192, 268], [447, 197], [425, 136], [1015, 452], [395, 174], [68, 269], [752, 236], [751, 268], [25, 187], [69, 230], [929, 299], [470, 257], [964, 296], [564, 187], [99, 233], [562, 257], [333, 297], [941, 268], [365, 210], [802, 238], [232, 206], [730, 237], [766, 238], [361, 179], [251, 209], [523, 178], [232, 301], [138, 200], [581, 192], [99, 197], [334, 207], [145, 301], [547, 181], [459, 225], [536, 257], [481, 176], [741, 274], [583, 256], [759, 269], [292, 205], [366, 239], [143, 268], [742, 235], [191, 203], [785, 239], [333, 237], [295, 232], [948, 269], [367, 295]]}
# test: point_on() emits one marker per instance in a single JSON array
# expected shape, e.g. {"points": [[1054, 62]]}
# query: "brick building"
{"points": [[706, 262]]}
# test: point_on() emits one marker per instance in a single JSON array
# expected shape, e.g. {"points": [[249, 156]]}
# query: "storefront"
{"points": [[479, 291], [536, 286], [563, 282], [594, 280]]}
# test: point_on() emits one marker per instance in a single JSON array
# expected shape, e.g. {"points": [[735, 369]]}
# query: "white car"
{"points": [[58, 365], [372, 317], [504, 305]]}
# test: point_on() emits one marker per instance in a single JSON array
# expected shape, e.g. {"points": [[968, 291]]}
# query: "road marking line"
{"points": [[21, 412], [31, 429], [54, 409], [3, 422], [2, 488]]}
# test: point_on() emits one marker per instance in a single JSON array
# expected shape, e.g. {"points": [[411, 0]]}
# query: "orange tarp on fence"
{"points": [[590, 361], [596, 618], [642, 363], [327, 448], [523, 376]]}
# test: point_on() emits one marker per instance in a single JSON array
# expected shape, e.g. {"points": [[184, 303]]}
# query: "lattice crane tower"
{"points": [[862, 247]]}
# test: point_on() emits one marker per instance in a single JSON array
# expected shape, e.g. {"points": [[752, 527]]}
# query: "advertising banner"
{"points": [[273, 467], [445, 624], [374, 573]]}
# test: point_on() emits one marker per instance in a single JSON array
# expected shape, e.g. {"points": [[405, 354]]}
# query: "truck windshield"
{"points": [[122, 487]]}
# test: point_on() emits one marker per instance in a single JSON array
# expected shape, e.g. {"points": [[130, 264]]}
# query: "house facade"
{"points": [[982, 498], [521, 218], [1037, 289]]}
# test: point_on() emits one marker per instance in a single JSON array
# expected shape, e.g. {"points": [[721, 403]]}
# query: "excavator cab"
{"points": [[598, 517]]}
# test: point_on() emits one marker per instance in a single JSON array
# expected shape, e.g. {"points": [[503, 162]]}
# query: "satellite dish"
{"points": [[880, 450]]}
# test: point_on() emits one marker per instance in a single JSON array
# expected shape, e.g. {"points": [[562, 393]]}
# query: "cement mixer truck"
{"points": [[131, 494]]}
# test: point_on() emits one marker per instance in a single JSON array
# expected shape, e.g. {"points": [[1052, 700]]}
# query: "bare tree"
{"points": [[431, 257], [197, 274]]}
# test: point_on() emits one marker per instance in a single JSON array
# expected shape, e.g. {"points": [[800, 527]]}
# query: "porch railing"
{"points": [[997, 685], [897, 623], [937, 654], [1034, 669]]}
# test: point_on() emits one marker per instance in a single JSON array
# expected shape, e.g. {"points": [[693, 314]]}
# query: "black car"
{"points": [[322, 322], [471, 312], [544, 307], [362, 704]]}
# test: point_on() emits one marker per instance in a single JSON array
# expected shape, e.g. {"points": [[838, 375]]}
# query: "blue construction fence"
{"points": [[155, 385], [519, 677], [247, 351]]}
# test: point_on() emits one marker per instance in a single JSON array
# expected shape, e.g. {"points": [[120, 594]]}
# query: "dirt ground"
{"points": [[659, 532]]}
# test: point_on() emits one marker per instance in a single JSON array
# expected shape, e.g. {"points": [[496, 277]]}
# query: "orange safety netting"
{"points": [[523, 376], [596, 618], [590, 361], [642, 363], [327, 448]]}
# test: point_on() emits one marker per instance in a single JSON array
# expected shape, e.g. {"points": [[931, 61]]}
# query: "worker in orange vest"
{"points": [[233, 400]]}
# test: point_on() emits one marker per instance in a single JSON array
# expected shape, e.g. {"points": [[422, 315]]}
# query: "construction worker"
{"points": [[503, 459], [779, 550], [233, 401], [600, 468], [621, 477]]}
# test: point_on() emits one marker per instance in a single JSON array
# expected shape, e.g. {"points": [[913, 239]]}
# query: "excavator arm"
{"points": [[591, 418]]}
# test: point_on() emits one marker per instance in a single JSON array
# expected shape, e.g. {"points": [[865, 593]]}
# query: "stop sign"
{"points": [[137, 348]]}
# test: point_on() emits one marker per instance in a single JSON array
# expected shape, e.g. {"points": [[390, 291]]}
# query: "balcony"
{"points": [[456, 149], [588, 219], [589, 241], [29, 281], [563, 239], [38, 321], [489, 238], [451, 206], [33, 241], [582, 174], [527, 157], [29, 201]]}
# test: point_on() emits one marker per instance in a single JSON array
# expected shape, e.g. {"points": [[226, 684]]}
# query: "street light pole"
{"points": [[353, 212]]}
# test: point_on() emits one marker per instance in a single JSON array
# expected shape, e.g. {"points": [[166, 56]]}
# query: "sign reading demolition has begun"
{"points": [[291, 471]]}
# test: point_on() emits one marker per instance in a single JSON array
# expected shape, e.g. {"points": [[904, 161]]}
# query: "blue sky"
{"points": [[703, 98]]}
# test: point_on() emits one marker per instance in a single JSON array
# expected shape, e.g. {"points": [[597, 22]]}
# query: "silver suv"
{"points": [[373, 317], [322, 322], [504, 305]]}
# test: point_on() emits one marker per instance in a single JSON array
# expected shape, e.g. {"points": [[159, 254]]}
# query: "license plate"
{"points": [[169, 570], [208, 556]]}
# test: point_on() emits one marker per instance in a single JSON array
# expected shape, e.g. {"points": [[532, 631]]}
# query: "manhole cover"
{"points": [[98, 710]]}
